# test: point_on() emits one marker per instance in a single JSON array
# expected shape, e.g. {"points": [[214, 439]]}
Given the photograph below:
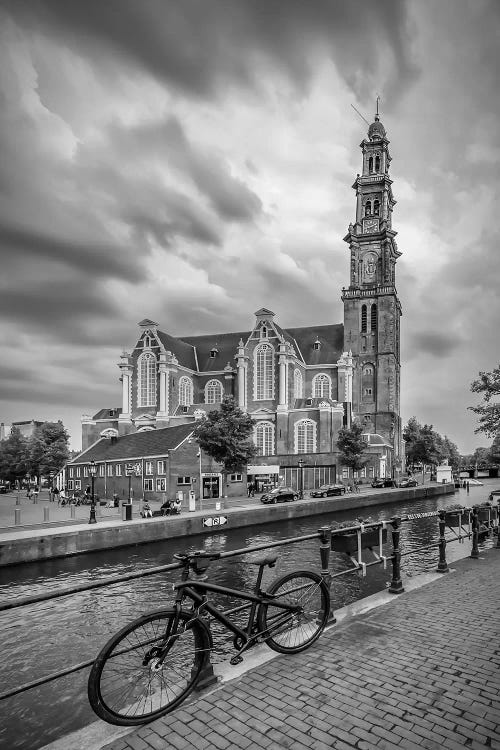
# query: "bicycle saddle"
{"points": [[268, 560]]}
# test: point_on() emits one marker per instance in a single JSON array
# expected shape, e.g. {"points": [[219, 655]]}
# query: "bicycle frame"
{"points": [[191, 588]]}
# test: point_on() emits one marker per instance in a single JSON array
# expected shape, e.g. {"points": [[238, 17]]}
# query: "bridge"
{"points": [[476, 471]]}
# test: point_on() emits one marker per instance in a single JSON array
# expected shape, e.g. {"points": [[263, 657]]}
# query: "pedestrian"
{"points": [[146, 510], [176, 507], [56, 495], [249, 488], [35, 493]]}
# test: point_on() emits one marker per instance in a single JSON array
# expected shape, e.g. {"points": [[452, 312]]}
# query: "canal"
{"points": [[43, 638]]}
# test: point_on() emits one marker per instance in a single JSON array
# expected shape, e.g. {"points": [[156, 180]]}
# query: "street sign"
{"points": [[215, 521], [131, 469]]}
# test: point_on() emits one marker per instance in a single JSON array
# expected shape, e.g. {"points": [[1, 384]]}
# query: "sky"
{"points": [[190, 161]]}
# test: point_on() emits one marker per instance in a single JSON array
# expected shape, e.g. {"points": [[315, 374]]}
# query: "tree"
{"points": [[411, 434], [14, 456], [48, 449], [224, 435], [494, 451], [488, 384], [352, 446], [451, 453], [424, 445]]}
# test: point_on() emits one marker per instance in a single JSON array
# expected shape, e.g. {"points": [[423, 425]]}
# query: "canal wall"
{"points": [[29, 546]]}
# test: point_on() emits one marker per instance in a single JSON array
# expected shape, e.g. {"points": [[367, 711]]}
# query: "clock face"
{"points": [[370, 225]]}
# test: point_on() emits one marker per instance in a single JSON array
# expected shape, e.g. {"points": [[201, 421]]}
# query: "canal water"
{"points": [[43, 638]]}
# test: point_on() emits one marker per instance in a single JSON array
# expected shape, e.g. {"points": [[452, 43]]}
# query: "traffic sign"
{"points": [[215, 521]]}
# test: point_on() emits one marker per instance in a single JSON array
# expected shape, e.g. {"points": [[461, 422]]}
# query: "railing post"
{"points": [[475, 534], [324, 552], [442, 564], [396, 586]]}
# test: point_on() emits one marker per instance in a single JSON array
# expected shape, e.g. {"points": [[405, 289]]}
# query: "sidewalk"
{"points": [[422, 671]]}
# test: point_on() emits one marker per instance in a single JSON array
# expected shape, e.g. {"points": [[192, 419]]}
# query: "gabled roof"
{"points": [[149, 443], [331, 340], [104, 413], [184, 352], [225, 343], [148, 322]]}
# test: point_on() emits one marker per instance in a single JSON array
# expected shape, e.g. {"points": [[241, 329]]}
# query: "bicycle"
{"points": [[151, 665]]}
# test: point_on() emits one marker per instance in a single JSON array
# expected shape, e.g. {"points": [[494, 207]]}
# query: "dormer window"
{"points": [[147, 342], [317, 344], [213, 352], [368, 208]]}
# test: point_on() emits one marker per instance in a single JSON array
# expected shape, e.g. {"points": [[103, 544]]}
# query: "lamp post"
{"points": [[93, 472], [301, 478]]}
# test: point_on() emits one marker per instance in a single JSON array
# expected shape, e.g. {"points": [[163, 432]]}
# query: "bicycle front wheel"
{"points": [[291, 632], [129, 684]]}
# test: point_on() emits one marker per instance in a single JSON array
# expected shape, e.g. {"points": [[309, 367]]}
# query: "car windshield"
{"points": [[324, 487]]}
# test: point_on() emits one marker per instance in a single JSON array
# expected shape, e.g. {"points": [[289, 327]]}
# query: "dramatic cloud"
{"points": [[191, 161]]}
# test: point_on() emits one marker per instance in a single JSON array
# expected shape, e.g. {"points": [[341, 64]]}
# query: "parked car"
{"points": [[384, 482], [279, 495], [408, 482], [327, 490], [3, 488]]}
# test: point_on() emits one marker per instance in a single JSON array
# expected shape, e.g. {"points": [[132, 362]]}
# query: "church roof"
{"points": [[225, 343], [331, 343], [184, 352], [376, 131], [138, 444], [112, 412]]}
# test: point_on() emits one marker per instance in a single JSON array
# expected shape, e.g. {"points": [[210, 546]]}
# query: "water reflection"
{"points": [[51, 635]]}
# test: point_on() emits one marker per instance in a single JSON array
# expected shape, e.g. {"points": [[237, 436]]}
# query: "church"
{"points": [[301, 384]]}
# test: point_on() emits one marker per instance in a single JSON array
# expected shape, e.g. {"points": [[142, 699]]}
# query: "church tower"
{"points": [[372, 310]]}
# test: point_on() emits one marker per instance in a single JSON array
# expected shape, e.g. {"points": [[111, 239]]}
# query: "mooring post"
{"points": [[396, 586], [17, 516], [45, 513], [442, 565], [325, 539], [475, 534], [72, 510]]}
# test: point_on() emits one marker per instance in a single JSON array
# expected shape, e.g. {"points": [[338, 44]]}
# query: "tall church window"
{"points": [[298, 384], [213, 392], [376, 208], [368, 208], [264, 372], [321, 386], [368, 382], [363, 318], [305, 436], [147, 379], [377, 164], [370, 164], [264, 439], [373, 317], [185, 391]]}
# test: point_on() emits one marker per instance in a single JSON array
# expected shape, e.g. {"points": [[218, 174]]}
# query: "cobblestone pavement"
{"points": [[420, 672]]}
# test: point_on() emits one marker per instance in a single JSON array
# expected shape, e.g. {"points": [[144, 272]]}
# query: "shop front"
{"points": [[264, 477], [211, 484]]}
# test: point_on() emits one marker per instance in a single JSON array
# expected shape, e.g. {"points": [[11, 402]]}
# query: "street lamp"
{"points": [[93, 472], [301, 478]]}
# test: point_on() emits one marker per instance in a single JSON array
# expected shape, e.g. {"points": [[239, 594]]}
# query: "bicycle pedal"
{"points": [[236, 660]]}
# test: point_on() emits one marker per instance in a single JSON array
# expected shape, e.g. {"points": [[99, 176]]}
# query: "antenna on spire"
{"points": [[377, 113], [359, 113]]}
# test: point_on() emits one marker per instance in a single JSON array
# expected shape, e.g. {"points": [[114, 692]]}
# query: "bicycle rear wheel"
{"points": [[290, 632], [127, 686]]}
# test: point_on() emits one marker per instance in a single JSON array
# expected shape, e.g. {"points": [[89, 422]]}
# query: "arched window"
{"points": [[264, 372], [146, 378], [263, 332], [368, 383], [305, 436], [213, 392], [363, 319], [373, 318], [370, 164], [377, 164], [298, 384], [185, 391], [264, 438], [368, 208], [321, 386], [376, 208]]}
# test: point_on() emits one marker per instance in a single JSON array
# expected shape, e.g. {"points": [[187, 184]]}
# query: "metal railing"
{"points": [[325, 535]]}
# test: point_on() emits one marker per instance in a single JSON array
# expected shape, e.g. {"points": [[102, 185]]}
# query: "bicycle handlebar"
{"points": [[199, 554]]}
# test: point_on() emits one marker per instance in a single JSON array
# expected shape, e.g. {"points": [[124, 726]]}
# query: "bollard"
{"points": [[396, 586], [98, 509], [17, 516], [475, 535], [18, 499], [72, 510], [442, 564], [324, 553], [45, 513]]}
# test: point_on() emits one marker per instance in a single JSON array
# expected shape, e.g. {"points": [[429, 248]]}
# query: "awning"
{"points": [[263, 469]]}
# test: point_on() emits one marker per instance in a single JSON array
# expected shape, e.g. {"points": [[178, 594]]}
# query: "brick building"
{"points": [[301, 384]]}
